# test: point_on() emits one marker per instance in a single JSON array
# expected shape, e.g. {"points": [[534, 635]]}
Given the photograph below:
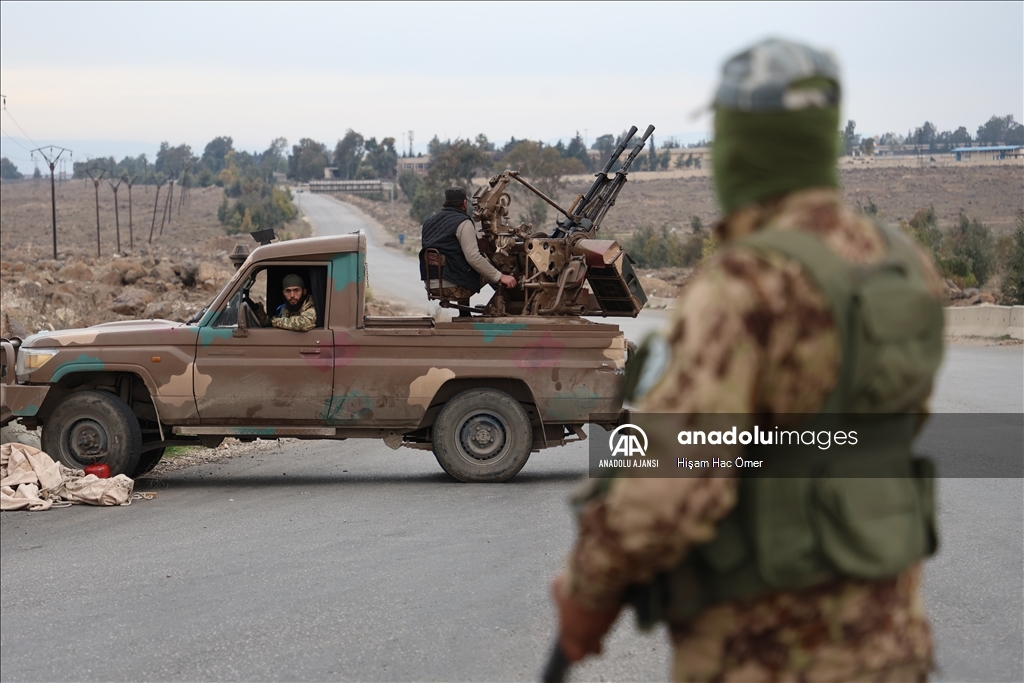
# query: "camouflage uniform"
{"points": [[302, 321], [752, 334]]}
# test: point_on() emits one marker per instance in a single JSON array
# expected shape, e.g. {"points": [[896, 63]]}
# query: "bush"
{"points": [[651, 248], [258, 205], [924, 227], [964, 254], [972, 241], [1013, 270]]}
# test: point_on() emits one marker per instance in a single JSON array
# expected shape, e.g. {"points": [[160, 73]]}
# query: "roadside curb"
{"points": [[991, 322]]}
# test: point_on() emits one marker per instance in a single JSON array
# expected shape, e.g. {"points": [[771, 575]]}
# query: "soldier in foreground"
{"points": [[452, 233], [297, 313], [789, 318]]}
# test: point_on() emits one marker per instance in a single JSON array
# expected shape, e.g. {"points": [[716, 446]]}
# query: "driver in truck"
{"points": [[297, 313]]}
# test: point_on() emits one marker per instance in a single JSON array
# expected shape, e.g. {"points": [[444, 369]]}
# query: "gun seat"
{"points": [[434, 260]]}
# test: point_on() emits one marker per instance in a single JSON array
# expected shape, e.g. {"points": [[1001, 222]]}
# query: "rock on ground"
{"points": [[13, 432]]}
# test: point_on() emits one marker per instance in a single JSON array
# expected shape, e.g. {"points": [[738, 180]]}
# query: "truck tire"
{"points": [[92, 427], [482, 435]]}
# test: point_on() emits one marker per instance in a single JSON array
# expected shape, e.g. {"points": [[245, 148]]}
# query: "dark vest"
{"points": [[439, 233], [813, 519]]}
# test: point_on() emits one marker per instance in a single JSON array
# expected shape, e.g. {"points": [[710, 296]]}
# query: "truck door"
{"points": [[269, 375]]}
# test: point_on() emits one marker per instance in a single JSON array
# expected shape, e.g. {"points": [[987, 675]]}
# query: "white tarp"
{"points": [[29, 478]]}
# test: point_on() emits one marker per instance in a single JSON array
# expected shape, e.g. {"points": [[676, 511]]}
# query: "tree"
{"points": [[273, 160], [960, 136], [543, 167], [348, 154], [893, 140], [8, 171], [577, 149], [850, 138], [1014, 133], [484, 144], [995, 130], [867, 148], [172, 161], [410, 182], [382, 158], [453, 163], [605, 145], [216, 152], [308, 160], [926, 135]]}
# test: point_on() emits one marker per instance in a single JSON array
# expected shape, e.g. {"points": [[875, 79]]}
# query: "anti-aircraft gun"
{"points": [[554, 267]]}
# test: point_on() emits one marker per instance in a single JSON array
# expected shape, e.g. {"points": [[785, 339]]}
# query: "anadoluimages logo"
{"points": [[627, 444]]}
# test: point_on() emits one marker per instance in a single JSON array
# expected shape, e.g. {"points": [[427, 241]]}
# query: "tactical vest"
{"points": [[439, 232], [826, 516]]}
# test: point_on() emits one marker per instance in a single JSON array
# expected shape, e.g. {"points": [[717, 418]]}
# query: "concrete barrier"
{"points": [[992, 322]]}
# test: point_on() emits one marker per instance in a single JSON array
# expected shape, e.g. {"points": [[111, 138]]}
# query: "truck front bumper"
{"points": [[20, 400]]}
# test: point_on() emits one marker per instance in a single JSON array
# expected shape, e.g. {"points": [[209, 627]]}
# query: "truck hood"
{"points": [[124, 332]]}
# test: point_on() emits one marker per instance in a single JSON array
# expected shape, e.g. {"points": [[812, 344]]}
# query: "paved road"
{"points": [[349, 561]]}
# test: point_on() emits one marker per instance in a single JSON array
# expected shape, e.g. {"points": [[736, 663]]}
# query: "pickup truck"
{"points": [[481, 393]]}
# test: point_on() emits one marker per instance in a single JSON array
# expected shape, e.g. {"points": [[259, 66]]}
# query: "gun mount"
{"points": [[554, 267]]}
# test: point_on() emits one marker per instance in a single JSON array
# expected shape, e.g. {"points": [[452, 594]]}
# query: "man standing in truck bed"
{"points": [[453, 234], [809, 311]]}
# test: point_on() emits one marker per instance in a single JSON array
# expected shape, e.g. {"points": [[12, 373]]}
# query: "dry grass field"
{"points": [[990, 193], [25, 217], [170, 278]]}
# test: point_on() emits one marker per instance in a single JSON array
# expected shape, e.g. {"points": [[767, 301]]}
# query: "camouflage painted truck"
{"points": [[481, 392]]}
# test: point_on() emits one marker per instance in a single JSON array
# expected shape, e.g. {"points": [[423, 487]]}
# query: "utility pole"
{"points": [[167, 208], [117, 218], [184, 186], [131, 240], [51, 161], [156, 202], [96, 185]]}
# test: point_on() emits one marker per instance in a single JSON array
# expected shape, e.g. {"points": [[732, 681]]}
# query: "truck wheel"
{"points": [[92, 427], [147, 461], [482, 435]]}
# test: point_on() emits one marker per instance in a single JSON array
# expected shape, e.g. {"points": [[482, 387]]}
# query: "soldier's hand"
{"points": [[580, 629], [508, 281]]}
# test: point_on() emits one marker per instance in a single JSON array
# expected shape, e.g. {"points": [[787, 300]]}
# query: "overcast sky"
{"points": [[139, 73]]}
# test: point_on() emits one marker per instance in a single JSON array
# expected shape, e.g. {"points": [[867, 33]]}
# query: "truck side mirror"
{"points": [[242, 326]]}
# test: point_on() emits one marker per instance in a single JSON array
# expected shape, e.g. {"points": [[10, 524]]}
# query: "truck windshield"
{"points": [[255, 289]]}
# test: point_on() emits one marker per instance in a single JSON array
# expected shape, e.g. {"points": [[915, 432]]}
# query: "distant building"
{"points": [[420, 164], [992, 152]]}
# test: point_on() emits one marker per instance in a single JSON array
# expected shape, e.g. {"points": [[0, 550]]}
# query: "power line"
{"points": [[27, 136], [27, 161], [14, 140]]}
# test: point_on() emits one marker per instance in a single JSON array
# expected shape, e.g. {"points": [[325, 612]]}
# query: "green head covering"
{"points": [[776, 123], [293, 280]]}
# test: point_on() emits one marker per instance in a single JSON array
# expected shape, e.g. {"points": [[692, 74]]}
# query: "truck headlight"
{"points": [[30, 360]]}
